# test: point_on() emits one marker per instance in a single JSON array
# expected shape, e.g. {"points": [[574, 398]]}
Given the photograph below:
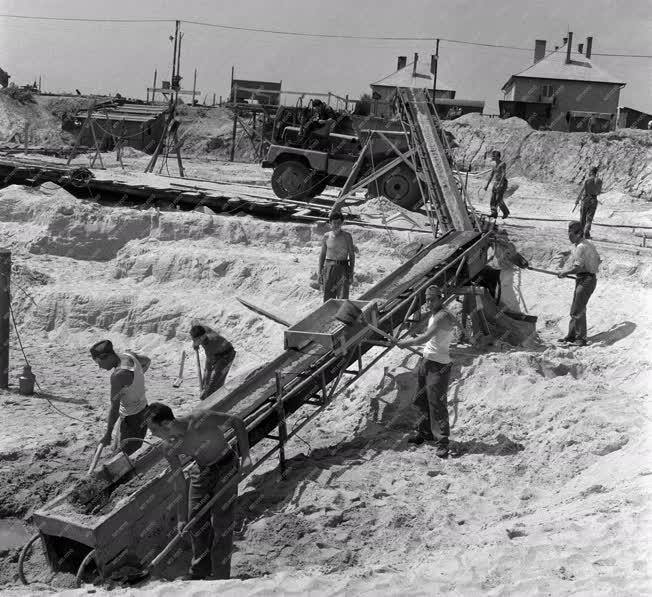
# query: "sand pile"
{"points": [[43, 115], [624, 156], [548, 489], [208, 132]]}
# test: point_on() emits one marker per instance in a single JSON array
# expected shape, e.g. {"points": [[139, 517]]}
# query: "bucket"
{"points": [[26, 381]]}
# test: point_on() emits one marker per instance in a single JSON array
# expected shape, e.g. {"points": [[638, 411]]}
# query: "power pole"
{"points": [[194, 86]]}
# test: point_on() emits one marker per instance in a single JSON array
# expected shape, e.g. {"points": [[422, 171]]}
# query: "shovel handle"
{"points": [[96, 457], [201, 379], [392, 339]]}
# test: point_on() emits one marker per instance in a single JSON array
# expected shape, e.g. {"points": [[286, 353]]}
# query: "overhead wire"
{"points": [[429, 38]]}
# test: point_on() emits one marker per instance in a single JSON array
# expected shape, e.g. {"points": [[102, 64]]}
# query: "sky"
{"points": [[121, 57]]}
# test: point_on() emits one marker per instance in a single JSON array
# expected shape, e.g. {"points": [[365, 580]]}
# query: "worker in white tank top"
{"points": [[128, 399], [433, 374]]}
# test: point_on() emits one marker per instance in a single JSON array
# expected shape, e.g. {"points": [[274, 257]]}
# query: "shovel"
{"points": [[199, 375], [96, 457], [546, 271], [349, 315], [179, 380]]}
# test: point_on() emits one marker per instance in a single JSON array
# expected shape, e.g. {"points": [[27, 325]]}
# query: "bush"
{"points": [[363, 106]]}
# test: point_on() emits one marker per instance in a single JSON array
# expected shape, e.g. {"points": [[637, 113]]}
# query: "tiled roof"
{"points": [[404, 78], [554, 66]]}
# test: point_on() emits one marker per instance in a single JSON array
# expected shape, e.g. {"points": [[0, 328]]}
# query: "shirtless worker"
{"points": [[128, 401], [499, 176], [584, 265], [588, 195], [337, 260], [219, 357], [199, 436], [433, 373]]}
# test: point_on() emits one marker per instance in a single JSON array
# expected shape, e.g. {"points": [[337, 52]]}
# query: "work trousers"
{"points": [[587, 211], [212, 536], [584, 287], [335, 280], [219, 371], [431, 400], [133, 426], [497, 201]]}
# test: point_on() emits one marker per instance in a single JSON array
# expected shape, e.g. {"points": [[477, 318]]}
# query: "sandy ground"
{"points": [[549, 494]]}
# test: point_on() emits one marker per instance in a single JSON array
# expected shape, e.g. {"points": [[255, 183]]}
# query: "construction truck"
{"points": [[303, 167]]}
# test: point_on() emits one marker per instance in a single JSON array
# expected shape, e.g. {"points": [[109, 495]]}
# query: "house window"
{"points": [[547, 90]]}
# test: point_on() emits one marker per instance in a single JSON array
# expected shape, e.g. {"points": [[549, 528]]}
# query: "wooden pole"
{"points": [[26, 135], [234, 132], [5, 298], [194, 86], [213, 100]]}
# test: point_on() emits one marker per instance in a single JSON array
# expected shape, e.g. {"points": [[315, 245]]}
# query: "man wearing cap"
{"points": [[585, 263], [128, 401], [499, 176], [219, 357], [588, 196], [337, 260], [433, 373]]}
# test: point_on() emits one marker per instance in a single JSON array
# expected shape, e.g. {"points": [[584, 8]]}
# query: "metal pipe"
{"points": [[5, 302]]}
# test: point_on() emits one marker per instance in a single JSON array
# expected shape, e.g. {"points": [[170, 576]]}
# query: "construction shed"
{"points": [[247, 91], [630, 118], [137, 125]]}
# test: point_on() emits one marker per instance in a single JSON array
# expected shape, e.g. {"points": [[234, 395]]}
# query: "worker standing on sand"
{"points": [[337, 260], [499, 176], [589, 192], [585, 264], [128, 401], [200, 437], [433, 373], [219, 357]]}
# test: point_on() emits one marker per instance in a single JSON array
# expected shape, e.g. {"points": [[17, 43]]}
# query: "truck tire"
{"points": [[400, 186], [317, 185], [292, 180]]}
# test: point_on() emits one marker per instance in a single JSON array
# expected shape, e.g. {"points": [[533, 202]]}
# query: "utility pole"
{"points": [[5, 298], [434, 74], [194, 86], [154, 86]]}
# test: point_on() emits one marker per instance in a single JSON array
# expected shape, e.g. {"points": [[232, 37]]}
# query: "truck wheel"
{"points": [[317, 185], [292, 180], [400, 186]]}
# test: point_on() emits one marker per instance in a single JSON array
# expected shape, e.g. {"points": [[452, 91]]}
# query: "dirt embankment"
{"points": [[624, 156]]}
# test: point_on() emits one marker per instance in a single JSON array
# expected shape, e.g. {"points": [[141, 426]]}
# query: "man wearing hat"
{"points": [[433, 373], [219, 357], [128, 401]]}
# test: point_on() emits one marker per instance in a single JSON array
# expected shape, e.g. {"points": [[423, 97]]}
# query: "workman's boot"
{"points": [[442, 450], [420, 437]]}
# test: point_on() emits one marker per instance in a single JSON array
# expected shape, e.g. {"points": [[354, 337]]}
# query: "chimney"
{"points": [[539, 49], [402, 61], [589, 46], [569, 45], [580, 48], [414, 64], [433, 64]]}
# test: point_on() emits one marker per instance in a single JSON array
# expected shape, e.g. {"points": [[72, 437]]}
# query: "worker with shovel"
{"points": [[128, 401], [216, 469], [433, 373], [585, 264], [219, 358]]}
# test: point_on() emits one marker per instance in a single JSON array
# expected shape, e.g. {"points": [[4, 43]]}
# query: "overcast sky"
{"points": [[112, 57]]}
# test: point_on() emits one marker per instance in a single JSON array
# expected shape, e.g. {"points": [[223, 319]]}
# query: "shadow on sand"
{"points": [[614, 334]]}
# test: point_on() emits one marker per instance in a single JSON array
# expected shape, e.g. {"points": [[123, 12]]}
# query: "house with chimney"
{"points": [[413, 75], [564, 90]]}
